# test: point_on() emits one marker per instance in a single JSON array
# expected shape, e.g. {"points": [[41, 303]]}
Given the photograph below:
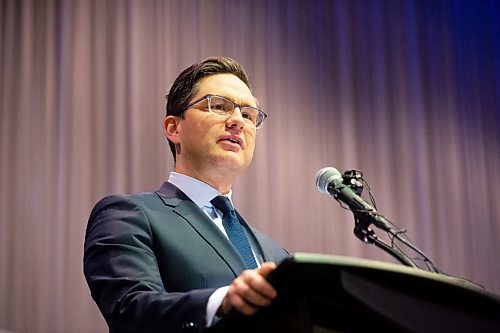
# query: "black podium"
{"points": [[321, 293]]}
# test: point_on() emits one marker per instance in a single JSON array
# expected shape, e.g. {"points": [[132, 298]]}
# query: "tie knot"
{"points": [[223, 204]]}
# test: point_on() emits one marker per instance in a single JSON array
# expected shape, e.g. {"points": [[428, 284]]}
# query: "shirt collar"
{"points": [[199, 192]]}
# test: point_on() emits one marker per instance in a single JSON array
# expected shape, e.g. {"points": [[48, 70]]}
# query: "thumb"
{"points": [[266, 268]]}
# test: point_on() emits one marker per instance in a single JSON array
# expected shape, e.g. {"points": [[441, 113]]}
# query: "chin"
{"points": [[232, 162]]}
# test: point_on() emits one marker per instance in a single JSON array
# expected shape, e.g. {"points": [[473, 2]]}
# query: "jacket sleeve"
{"points": [[121, 270]]}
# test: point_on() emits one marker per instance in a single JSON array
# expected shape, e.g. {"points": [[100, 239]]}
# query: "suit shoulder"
{"points": [[127, 207], [128, 201]]}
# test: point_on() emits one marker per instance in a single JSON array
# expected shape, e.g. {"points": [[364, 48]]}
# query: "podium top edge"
{"points": [[360, 263]]}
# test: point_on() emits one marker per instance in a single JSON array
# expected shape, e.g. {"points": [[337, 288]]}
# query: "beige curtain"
{"points": [[406, 91]]}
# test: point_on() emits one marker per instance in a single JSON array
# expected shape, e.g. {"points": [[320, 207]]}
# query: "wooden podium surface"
{"points": [[323, 293]]}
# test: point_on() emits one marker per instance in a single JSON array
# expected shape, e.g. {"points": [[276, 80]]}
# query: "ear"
{"points": [[171, 128]]}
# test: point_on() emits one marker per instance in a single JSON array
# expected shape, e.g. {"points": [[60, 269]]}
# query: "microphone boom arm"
{"points": [[363, 219], [368, 236]]}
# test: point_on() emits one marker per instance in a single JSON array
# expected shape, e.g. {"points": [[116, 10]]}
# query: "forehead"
{"points": [[226, 85]]}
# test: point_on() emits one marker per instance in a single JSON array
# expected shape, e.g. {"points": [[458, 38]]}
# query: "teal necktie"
{"points": [[234, 229]]}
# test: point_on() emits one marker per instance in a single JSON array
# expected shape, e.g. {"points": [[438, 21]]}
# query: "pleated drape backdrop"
{"points": [[406, 91]]}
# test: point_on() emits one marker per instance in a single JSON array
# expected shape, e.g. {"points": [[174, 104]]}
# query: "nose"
{"points": [[235, 119]]}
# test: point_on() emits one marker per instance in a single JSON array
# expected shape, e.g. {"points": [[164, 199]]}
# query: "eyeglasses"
{"points": [[225, 107]]}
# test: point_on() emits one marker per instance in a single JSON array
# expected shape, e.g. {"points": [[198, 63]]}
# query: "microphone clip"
{"points": [[353, 179]]}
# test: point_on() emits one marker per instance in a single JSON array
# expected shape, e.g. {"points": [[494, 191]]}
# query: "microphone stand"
{"points": [[368, 236], [353, 179], [363, 219]]}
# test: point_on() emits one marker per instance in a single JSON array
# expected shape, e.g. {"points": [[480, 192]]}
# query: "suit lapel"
{"points": [[263, 249], [202, 224]]}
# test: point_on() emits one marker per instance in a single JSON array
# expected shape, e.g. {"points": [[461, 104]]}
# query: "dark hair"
{"points": [[186, 85]]}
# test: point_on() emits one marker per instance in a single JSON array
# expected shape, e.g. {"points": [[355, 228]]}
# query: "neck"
{"points": [[220, 181]]}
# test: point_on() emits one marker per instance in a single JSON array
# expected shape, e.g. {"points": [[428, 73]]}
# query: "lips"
{"points": [[233, 139]]}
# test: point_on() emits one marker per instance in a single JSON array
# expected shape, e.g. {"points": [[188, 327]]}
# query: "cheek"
{"points": [[199, 133], [251, 144]]}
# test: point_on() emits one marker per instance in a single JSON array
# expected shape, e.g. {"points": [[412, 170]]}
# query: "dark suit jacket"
{"points": [[153, 259]]}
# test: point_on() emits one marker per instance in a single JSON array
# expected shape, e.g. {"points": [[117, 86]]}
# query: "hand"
{"points": [[249, 291]]}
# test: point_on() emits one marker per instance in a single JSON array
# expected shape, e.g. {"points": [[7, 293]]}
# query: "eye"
{"points": [[220, 105], [249, 113]]}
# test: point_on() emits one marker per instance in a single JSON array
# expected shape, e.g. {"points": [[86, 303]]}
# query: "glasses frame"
{"points": [[261, 116]]}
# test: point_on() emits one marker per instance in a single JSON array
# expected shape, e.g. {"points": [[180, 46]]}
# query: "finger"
{"points": [[254, 289], [241, 297], [240, 304], [260, 285], [266, 268], [249, 291]]}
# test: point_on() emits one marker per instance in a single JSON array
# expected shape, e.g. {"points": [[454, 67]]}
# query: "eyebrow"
{"points": [[242, 104]]}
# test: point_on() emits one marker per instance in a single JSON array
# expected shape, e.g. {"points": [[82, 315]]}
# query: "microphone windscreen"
{"points": [[326, 176]]}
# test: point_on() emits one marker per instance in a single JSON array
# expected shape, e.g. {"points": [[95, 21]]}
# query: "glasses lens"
{"points": [[251, 115], [220, 105], [260, 119]]}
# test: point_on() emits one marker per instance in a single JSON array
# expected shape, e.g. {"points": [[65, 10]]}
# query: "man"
{"points": [[175, 259]]}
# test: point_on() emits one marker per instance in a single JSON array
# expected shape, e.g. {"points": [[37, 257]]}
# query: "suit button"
{"points": [[189, 326]]}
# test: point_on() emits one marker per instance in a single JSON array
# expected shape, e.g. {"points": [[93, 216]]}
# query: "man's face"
{"points": [[212, 143]]}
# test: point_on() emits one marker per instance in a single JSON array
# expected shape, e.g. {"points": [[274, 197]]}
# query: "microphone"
{"points": [[329, 180]]}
